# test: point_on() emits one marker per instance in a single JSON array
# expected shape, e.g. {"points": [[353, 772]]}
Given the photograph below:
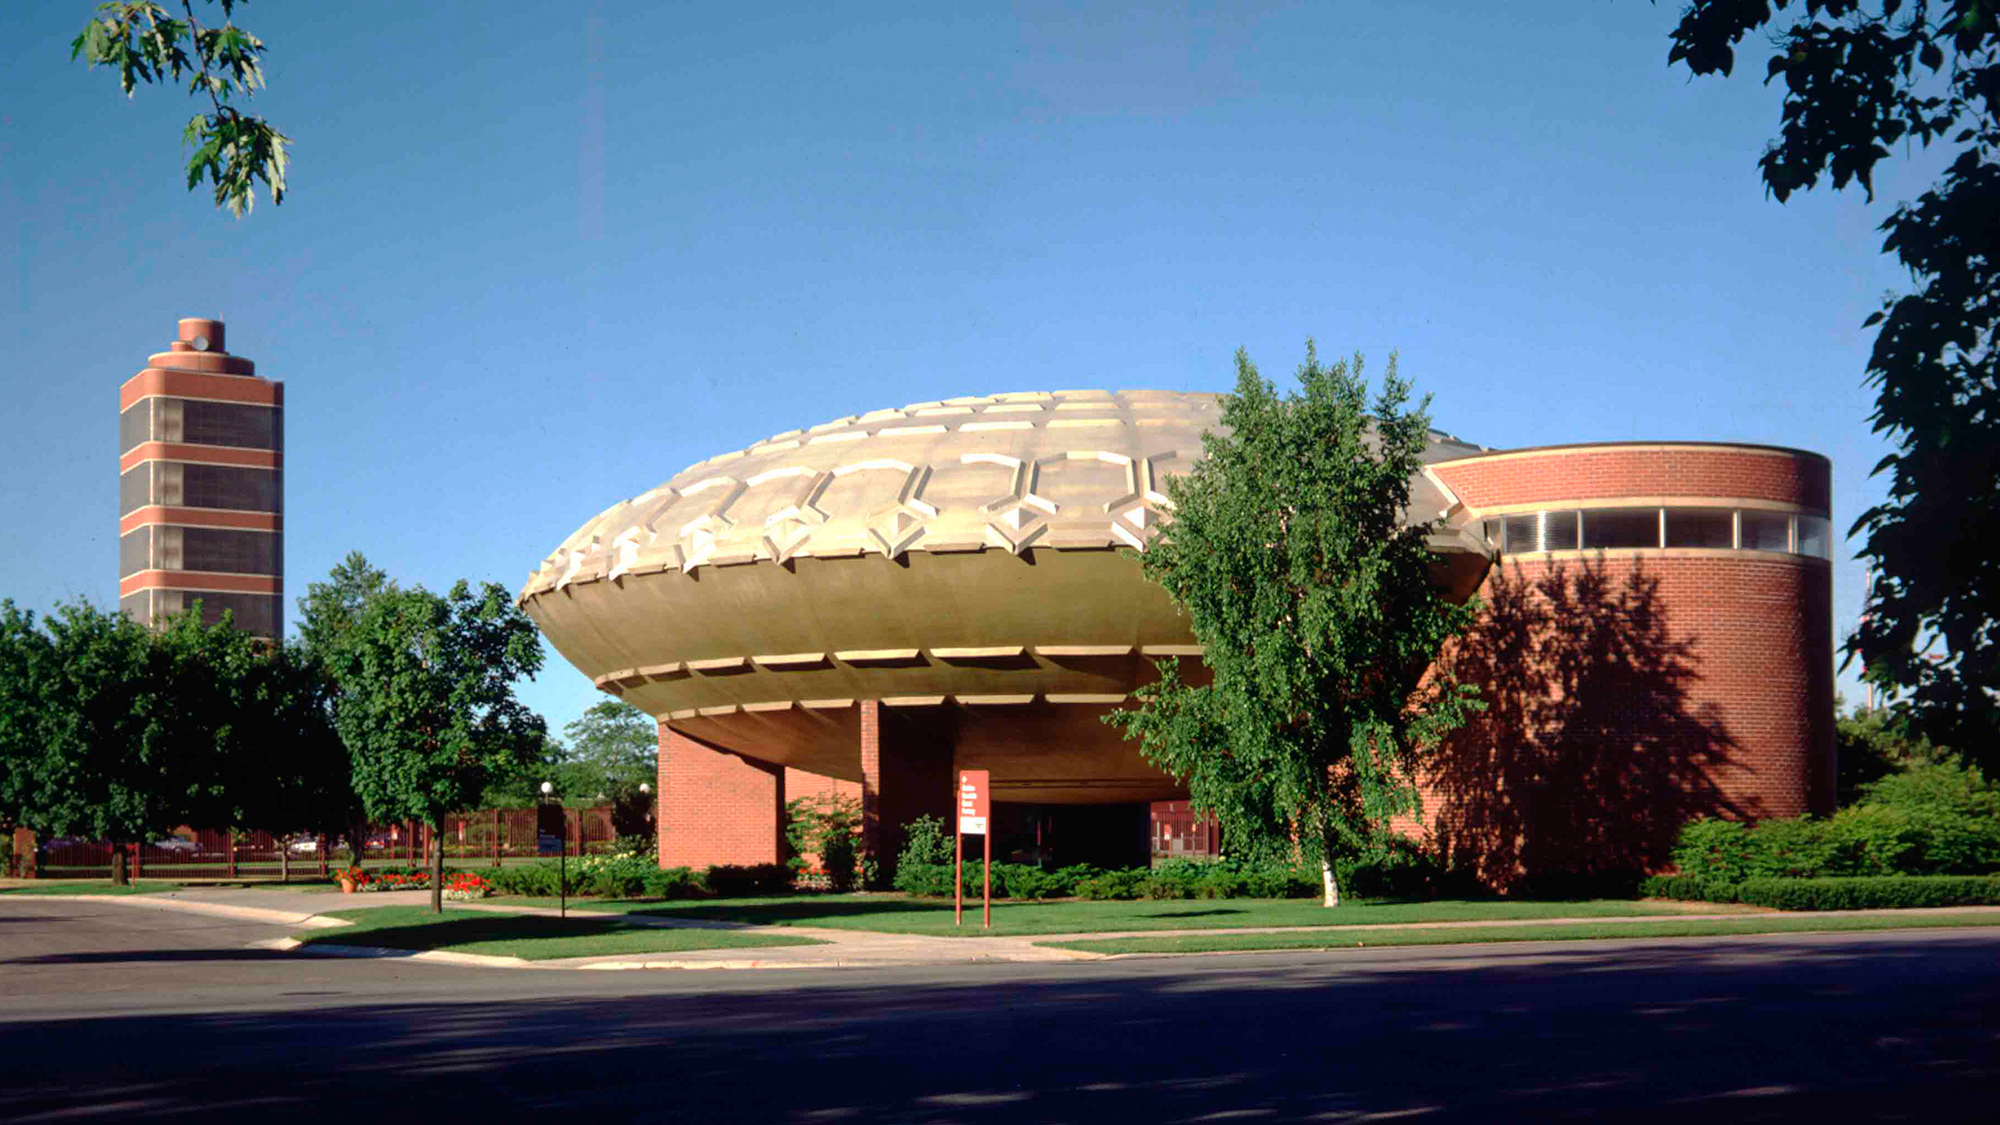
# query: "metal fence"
{"points": [[493, 836]]}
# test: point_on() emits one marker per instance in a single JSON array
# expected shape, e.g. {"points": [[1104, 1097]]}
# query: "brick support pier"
{"points": [[906, 772], [717, 807]]}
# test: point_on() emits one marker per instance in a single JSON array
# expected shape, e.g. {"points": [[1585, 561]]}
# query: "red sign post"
{"points": [[975, 807]]}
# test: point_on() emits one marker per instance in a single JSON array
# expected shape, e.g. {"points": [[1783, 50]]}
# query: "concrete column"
{"points": [[717, 807]]}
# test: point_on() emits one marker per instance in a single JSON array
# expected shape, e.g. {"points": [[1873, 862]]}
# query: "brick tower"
{"points": [[201, 491]]}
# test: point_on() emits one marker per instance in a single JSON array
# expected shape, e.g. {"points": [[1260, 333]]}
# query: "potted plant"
{"points": [[351, 879]]}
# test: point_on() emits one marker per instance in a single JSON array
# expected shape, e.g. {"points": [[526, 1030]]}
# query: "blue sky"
{"points": [[538, 258]]}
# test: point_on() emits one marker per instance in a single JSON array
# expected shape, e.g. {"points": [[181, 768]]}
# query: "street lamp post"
{"points": [[562, 864]]}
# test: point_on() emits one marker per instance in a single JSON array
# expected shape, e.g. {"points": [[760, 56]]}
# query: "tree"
{"points": [[616, 745], [144, 43], [116, 732], [427, 707], [331, 607], [327, 613], [1313, 602], [1858, 79]]}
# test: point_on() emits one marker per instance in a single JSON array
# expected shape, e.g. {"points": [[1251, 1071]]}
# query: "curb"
{"points": [[482, 960], [213, 909], [614, 966]]}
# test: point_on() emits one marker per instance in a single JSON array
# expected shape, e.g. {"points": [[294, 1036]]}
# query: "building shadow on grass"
{"points": [[1591, 752]]}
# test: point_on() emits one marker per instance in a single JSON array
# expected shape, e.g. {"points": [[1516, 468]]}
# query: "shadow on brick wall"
{"points": [[1590, 754]]}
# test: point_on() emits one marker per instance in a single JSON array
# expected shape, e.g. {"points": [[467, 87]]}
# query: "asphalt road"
{"points": [[111, 1011]]}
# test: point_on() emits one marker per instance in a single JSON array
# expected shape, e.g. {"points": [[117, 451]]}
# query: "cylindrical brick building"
{"points": [[866, 605], [201, 485], [1657, 645]]}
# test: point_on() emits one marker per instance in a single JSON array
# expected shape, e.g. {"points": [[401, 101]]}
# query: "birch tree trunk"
{"points": [[1329, 882]]}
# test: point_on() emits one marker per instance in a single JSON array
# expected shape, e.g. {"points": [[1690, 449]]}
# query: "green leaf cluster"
{"points": [[113, 731], [1858, 78], [427, 705], [1288, 551], [143, 42]]}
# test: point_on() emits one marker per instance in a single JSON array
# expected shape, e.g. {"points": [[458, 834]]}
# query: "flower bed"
{"points": [[464, 886]]}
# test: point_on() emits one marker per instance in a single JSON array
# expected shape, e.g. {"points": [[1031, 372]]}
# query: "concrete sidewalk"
{"points": [[843, 948]]}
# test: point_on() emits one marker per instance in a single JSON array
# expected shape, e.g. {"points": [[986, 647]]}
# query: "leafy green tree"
{"points": [[1871, 746], [330, 608], [1859, 78], [616, 746], [27, 664], [116, 732], [301, 778], [327, 613], [427, 707], [143, 42], [1314, 605]]}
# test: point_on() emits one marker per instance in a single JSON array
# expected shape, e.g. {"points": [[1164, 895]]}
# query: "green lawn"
{"points": [[1679, 927], [89, 887], [896, 914], [531, 937]]}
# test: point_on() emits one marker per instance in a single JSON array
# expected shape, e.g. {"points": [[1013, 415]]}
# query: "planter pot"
{"points": [[347, 886]]}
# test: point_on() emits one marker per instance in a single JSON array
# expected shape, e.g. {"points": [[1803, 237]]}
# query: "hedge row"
{"points": [[1175, 879], [1935, 819], [637, 877], [1854, 893]]}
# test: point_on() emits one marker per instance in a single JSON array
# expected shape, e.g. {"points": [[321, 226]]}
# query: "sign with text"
{"points": [[974, 802]]}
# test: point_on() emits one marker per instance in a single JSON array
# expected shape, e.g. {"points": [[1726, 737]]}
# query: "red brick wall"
{"points": [[1559, 475], [799, 783], [717, 807], [1627, 694]]}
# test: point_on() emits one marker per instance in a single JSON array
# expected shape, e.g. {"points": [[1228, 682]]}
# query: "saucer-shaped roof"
{"points": [[1063, 469]]}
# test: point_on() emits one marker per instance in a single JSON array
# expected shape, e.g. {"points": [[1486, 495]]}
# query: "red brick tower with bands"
{"points": [[201, 485]]}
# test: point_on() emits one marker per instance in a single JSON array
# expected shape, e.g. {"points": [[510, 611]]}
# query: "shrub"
{"points": [[1689, 888], [1892, 891], [826, 826], [672, 882], [1957, 810], [1107, 885], [1714, 849], [1067, 879], [734, 881], [930, 879], [1791, 848], [1875, 840], [926, 841]]}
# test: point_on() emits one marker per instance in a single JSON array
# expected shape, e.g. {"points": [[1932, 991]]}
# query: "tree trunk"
{"points": [[1329, 882], [437, 868], [118, 878], [285, 858]]}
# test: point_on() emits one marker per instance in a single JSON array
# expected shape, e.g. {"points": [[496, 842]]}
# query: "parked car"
{"points": [[309, 845], [175, 844]]}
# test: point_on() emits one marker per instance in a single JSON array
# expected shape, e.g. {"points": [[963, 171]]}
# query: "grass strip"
{"points": [[140, 887], [1678, 927], [896, 914], [532, 937]]}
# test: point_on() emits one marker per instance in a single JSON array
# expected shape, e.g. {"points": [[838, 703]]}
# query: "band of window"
{"points": [[1614, 529]]}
